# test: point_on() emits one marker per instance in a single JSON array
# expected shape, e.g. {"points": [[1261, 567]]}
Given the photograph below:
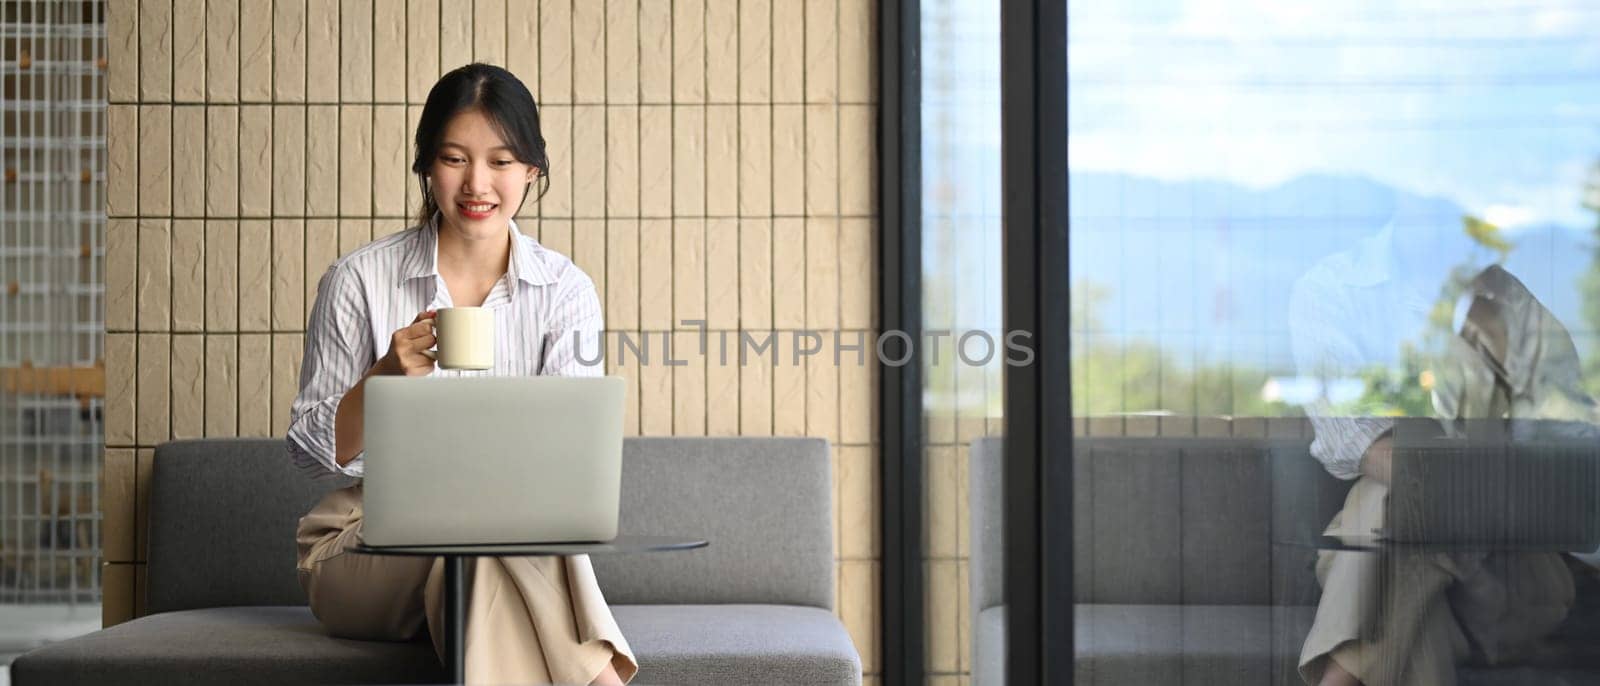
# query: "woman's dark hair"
{"points": [[503, 100]]}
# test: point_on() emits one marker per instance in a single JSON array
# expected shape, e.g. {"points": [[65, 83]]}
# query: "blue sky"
{"points": [[1489, 105], [1493, 104]]}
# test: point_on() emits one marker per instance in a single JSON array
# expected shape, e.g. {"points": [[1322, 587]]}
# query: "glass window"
{"points": [[1336, 293], [963, 348], [52, 290]]}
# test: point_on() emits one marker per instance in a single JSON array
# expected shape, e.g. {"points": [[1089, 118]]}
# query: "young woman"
{"points": [[479, 153]]}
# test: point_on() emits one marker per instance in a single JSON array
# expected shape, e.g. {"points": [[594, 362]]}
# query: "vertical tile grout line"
{"points": [[705, 214], [803, 214], [171, 327], [138, 97], [305, 159], [605, 184], [370, 103], [205, 218], [838, 224], [772, 231], [639, 215], [738, 213], [672, 213], [272, 211], [797, 242], [238, 217]]}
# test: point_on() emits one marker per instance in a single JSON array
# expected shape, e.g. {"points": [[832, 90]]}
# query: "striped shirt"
{"points": [[546, 314], [1348, 314], [1354, 312]]}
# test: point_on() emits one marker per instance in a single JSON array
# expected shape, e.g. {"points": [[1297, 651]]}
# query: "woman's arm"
{"points": [[404, 358], [348, 435], [575, 332], [1377, 461], [1323, 325], [338, 356]]}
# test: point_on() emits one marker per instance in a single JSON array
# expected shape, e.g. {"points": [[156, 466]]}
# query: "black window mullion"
{"points": [[1038, 442], [900, 307]]}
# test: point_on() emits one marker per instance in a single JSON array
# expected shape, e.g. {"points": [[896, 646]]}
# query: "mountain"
{"points": [[1207, 266]]}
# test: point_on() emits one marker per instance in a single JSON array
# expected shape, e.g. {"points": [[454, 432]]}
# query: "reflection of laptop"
{"points": [[481, 460], [1488, 488]]}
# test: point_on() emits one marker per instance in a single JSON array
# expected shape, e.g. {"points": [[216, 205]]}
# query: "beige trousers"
{"points": [[529, 620], [1405, 617]]}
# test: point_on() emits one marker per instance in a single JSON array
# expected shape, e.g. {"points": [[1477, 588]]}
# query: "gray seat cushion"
{"points": [[738, 644], [1164, 644], [227, 646], [243, 646], [1189, 644], [1207, 644]]}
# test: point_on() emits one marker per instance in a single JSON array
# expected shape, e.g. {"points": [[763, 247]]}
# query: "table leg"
{"points": [[455, 618]]}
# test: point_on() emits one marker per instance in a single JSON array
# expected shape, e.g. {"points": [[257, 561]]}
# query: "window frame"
{"points": [[1038, 440], [1038, 453], [900, 406]]}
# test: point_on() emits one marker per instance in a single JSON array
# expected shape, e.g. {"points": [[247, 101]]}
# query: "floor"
{"points": [[25, 627]]}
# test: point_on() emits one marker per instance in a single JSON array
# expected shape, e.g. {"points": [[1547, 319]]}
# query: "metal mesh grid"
{"points": [[52, 237]]}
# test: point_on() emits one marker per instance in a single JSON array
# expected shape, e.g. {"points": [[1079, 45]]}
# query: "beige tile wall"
{"points": [[952, 426], [711, 159]]}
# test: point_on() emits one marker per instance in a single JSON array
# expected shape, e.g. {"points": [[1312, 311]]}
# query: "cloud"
{"points": [[1509, 216], [1489, 104]]}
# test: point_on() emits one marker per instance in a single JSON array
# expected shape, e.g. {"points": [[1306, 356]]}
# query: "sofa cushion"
{"points": [[1161, 520], [228, 646], [986, 518], [765, 504], [223, 514], [989, 647], [1199, 644], [1195, 644], [243, 646], [222, 520], [1164, 644], [738, 644]]}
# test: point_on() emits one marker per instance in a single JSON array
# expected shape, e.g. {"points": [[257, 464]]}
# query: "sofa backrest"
{"points": [[986, 516], [765, 505], [222, 518], [1174, 520], [223, 512]]}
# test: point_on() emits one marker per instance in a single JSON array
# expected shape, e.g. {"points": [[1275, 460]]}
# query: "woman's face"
{"points": [[477, 181]]}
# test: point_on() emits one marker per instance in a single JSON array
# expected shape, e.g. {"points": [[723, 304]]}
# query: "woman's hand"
{"points": [[405, 357], [407, 348]]}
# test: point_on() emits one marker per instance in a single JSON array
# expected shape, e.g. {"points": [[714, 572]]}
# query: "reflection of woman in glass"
{"points": [[1402, 617], [479, 151]]}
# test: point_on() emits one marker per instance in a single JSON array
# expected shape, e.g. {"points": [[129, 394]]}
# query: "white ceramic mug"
{"points": [[466, 338]]}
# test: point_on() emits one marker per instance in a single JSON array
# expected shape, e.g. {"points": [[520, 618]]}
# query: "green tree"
{"points": [[1394, 391], [1113, 375]]}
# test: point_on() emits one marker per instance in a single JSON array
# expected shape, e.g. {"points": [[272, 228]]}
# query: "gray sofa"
{"points": [[1181, 566], [224, 605]]}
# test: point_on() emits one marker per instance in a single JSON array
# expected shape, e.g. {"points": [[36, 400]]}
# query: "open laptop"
{"points": [[486, 460], [1497, 485]]}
